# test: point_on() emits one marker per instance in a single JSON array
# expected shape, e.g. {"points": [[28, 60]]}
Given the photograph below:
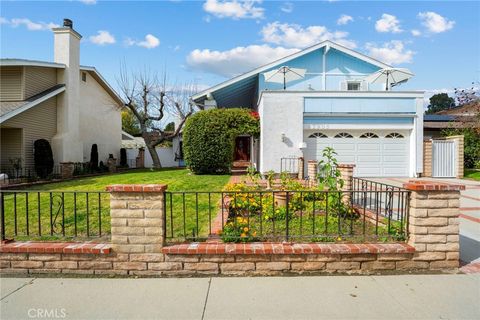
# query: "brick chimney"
{"points": [[66, 144]]}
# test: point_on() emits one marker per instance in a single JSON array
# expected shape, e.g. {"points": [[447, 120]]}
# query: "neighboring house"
{"points": [[170, 156], [379, 131], [70, 105], [459, 117]]}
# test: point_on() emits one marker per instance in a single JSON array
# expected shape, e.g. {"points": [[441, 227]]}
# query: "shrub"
{"points": [[209, 138], [43, 157], [123, 158], [94, 158], [471, 144]]}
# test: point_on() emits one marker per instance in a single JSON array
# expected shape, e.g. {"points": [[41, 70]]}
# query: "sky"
{"points": [[206, 42]]}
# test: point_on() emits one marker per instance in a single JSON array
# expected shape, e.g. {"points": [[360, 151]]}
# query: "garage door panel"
{"points": [[373, 157]]}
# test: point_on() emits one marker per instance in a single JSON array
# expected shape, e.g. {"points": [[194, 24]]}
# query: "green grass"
{"points": [[472, 174], [52, 216]]}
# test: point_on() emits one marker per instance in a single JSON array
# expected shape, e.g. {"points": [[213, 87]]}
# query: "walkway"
{"points": [[322, 297]]}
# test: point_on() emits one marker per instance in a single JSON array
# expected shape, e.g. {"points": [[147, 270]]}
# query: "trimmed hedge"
{"points": [[209, 138], [43, 157]]}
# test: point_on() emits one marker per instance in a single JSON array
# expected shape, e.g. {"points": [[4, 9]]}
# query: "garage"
{"points": [[376, 153]]}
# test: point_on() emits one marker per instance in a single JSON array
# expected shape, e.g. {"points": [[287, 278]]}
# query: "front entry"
{"points": [[242, 149]]}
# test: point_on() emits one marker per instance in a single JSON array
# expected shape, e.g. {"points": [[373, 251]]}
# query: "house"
{"points": [[378, 130], [464, 116], [70, 105], [170, 155]]}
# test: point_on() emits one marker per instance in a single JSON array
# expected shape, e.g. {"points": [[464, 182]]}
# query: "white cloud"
{"points": [[103, 37], [89, 1], [393, 52], [388, 23], [416, 33], [344, 19], [287, 7], [237, 60], [434, 22], [235, 9], [295, 36], [150, 42], [29, 24]]}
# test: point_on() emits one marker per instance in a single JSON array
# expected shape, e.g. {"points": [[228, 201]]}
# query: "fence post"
{"points": [[137, 218], [427, 158], [2, 215], [434, 210], [301, 163]]}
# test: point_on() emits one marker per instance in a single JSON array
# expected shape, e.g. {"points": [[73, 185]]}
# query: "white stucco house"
{"points": [[70, 105], [378, 130]]}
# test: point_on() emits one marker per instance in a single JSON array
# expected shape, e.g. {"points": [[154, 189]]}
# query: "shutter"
{"points": [[343, 86], [364, 86]]}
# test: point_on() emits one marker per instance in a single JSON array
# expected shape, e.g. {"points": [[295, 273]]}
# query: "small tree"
{"points": [[439, 102], [94, 158], [43, 157], [153, 103], [467, 95]]}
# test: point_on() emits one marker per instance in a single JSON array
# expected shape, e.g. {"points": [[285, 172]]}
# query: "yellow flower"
{"points": [[245, 229], [243, 235], [339, 239], [254, 233]]}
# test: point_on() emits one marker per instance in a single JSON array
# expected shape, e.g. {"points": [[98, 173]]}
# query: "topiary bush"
{"points": [[43, 157], [94, 158], [123, 158], [209, 138]]}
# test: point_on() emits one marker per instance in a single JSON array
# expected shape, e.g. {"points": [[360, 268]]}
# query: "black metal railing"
{"points": [[27, 174], [51, 215], [244, 216], [290, 164]]}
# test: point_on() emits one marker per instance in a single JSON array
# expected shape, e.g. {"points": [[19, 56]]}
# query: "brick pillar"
{"points": [[312, 169], [66, 169], [346, 174], [112, 165], [433, 223], [427, 158], [301, 164], [137, 218]]}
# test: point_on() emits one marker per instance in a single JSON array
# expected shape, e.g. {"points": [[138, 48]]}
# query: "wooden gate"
{"points": [[444, 158]]}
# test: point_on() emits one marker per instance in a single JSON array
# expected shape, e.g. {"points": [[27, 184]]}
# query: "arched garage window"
{"points": [[343, 135], [369, 135], [394, 135], [318, 135]]}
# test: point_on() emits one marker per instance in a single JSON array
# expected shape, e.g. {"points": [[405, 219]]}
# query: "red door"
{"points": [[242, 149]]}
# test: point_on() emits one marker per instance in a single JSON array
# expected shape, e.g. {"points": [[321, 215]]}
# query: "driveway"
{"points": [[469, 214]]}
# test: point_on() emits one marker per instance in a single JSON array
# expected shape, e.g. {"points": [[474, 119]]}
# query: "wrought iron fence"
{"points": [[290, 164], [244, 216], [27, 174], [51, 215]]}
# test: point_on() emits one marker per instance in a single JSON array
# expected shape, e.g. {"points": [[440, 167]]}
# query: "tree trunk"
{"points": [[154, 155]]}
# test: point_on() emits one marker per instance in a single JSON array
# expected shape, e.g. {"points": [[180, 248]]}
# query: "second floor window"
{"points": [[353, 86]]}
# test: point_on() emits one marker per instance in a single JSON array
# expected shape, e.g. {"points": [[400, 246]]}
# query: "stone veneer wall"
{"points": [[138, 246]]}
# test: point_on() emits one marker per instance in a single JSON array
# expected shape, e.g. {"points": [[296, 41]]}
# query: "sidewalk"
{"points": [[322, 297]]}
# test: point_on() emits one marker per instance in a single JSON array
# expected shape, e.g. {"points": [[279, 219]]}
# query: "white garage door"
{"points": [[375, 153]]}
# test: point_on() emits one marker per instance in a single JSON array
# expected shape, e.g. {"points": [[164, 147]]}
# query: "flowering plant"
{"points": [[238, 230]]}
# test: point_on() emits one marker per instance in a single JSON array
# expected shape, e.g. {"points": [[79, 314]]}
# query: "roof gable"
{"points": [[326, 45]]}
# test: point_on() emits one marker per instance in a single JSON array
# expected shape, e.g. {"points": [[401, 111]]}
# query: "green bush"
{"points": [[209, 138], [471, 144]]}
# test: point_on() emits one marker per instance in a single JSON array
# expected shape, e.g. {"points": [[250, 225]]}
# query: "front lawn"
{"points": [[472, 174], [87, 204]]}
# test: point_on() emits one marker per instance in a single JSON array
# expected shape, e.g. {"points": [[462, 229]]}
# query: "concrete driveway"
{"points": [[469, 214]]}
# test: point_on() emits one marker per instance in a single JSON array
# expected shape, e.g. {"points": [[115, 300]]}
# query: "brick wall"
{"points": [[138, 247], [427, 158]]}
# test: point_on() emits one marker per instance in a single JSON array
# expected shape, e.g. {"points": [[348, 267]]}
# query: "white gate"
{"points": [[444, 158]]}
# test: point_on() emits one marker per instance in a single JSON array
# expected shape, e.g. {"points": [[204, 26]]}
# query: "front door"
{"points": [[242, 149]]}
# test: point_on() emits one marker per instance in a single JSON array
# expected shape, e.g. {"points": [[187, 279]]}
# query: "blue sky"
{"points": [[208, 41]]}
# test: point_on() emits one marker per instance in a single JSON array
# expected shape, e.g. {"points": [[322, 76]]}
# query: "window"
{"points": [[369, 135], [353, 86], [343, 135], [318, 135], [84, 76], [394, 135]]}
